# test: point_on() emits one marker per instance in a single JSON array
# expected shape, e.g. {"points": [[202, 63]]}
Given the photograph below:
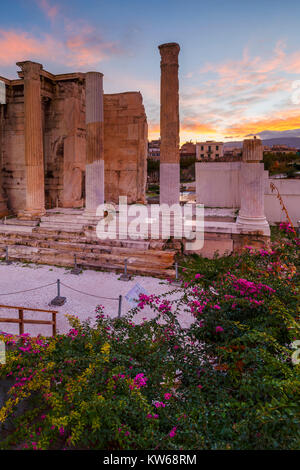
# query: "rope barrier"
{"points": [[85, 293], [28, 290]]}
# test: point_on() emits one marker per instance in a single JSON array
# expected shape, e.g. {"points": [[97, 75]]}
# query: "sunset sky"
{"points": [[239, 60]]}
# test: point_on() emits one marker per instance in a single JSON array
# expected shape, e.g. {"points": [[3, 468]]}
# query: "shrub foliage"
{"points": [[227, 381]]}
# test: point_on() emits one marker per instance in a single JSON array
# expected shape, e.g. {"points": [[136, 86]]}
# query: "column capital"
{"points": [[91, 73], [169, 53], [31, 70]]}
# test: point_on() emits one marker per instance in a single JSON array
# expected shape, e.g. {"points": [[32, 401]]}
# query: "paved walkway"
{"points": [[18, 277]]}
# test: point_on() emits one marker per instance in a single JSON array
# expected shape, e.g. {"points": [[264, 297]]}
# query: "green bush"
{"points": [[225, 382]]}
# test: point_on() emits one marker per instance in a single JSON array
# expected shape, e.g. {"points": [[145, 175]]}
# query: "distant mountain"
{"points": [[290, 141]]}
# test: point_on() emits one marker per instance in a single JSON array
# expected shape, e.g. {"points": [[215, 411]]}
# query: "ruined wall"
{"points": [[125, 147], [12, 148], [64, 145], [63, 114], [3, 199]]}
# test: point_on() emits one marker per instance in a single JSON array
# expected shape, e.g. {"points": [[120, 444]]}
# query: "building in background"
{"points": [[232, 153], [189, 148], [154, 149], [280, 149], [209, 150]]}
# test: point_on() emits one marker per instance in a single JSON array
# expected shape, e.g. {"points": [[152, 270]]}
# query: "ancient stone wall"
{"points": [[125, 147], [12, 149], [64, 145], [62, 111]]}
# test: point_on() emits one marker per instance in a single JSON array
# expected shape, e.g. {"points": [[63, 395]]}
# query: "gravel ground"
{"points": [[19, 277]]}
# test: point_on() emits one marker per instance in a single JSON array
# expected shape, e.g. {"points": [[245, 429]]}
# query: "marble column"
{"points": [[94, 177], [251, 216], [169, 125], [3, 205], [34, 157]]}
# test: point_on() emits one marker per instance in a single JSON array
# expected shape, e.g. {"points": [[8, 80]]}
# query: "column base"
{"points": [[169, 183], [253, 224], [89, 217], [31, 214]]}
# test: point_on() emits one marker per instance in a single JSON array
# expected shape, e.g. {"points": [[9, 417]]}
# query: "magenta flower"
{"points": [[173, 432], [219, 329]]}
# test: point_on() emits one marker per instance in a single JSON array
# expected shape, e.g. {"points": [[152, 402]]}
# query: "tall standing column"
{"points": [[3, 205], [34, 157], [169, 125], [94, 177], [251, 216]]}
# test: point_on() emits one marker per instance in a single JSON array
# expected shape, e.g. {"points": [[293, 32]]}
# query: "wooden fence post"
{"points": [[21, 324], [54, 324]]}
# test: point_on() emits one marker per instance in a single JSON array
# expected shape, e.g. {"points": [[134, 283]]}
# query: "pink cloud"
{"points": [[18, 45], [50, 10], [81, 50]]}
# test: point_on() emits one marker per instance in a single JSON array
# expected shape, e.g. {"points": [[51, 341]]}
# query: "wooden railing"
{"points": [[22, 321]]}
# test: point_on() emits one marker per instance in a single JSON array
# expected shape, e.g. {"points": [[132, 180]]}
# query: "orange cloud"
{"points": [[286, 120], [197, 128], [194, 131]]}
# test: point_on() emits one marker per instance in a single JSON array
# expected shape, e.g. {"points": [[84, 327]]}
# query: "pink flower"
{"points": [[140, 380], [219, 329], [200, 386], [173, 432], [167, 396], [159, 404], [217, 307]]}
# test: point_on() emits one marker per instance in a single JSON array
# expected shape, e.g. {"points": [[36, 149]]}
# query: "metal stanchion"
{"points": [[177, 281], [120, 307], [125, 276], [75, 270], [58, 300], [7, 261]]}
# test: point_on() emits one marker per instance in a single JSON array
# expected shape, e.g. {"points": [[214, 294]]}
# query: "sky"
{"points": [[239, 63]]}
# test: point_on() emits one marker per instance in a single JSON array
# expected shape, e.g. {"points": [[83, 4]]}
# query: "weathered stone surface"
{"points": [[94, 177], [125, 147], [33, 134], [169, 124], [251, 216], [62, 116]]}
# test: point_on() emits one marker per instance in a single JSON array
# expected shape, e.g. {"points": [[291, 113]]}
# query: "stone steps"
{"points": [[85, 248], [45, 246], [77, 239], [153, 263]]}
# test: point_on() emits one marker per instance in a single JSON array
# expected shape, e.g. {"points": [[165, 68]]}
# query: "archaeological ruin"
{"points": [[47, 132], [66, 147]]}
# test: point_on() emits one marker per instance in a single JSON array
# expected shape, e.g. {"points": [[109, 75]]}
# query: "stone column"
{"points": [[34, 157], [3, 205], [169, 125], [251, 216], [94, 177]]}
